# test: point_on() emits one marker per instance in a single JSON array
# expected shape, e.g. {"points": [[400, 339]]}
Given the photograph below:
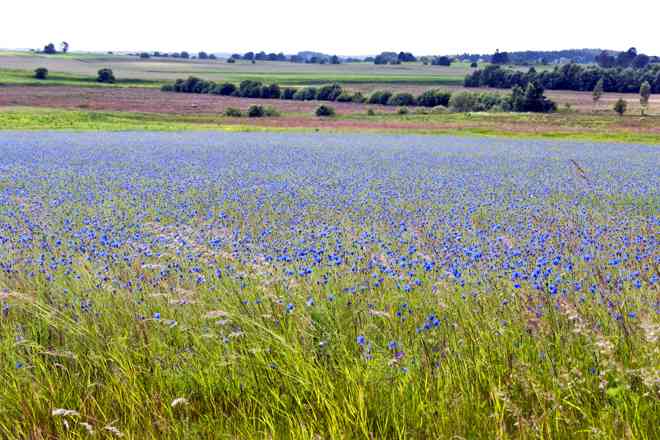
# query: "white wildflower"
{"points": [[61, 412], [179, 401]]}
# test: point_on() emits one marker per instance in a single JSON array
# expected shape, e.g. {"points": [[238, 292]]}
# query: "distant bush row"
{"points": [[528, 99], [330, 92]]}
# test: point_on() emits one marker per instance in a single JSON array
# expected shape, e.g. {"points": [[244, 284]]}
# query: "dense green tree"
{"points": [[203, 55]]}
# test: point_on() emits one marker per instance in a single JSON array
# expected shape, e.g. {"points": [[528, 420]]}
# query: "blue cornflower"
{"points": [[392, 345], [361, 340], [156, 315]]}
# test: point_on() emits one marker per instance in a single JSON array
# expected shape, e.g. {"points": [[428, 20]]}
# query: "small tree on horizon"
{"points": [[50, 49], [644, 96], [620, 106], [598, 91]]}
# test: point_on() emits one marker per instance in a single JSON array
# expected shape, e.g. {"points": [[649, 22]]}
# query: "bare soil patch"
{"points": [[143, 100]]}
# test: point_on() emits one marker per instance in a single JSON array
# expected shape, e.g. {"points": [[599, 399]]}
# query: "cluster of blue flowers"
{"points": [[360, 212]]}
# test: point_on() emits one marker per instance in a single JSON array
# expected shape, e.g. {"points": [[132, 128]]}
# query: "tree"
{"points": [[249, 56], [605, 60], [41, 73], [334, 60], [145, 55], [203, 55], [105, 76], [644, 95], [598, 91], [641, 61], [50, 49], [65, 46], [406, 57], [620, 106], [441, 61], [500, 57], [185, 55], [625, 59]]}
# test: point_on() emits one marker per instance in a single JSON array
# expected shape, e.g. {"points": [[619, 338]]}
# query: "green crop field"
{"points": [[162, 69]]}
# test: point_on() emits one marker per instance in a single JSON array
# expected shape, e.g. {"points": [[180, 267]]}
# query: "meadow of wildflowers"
{"points": [[327, 286]]}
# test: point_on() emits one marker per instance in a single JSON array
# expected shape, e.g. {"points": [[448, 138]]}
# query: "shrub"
{"points": [[474, 65], [434, 98], [250, 89], [167, 88], [105, 76], [531, 99], [439, 110], [359, 98], [288, 92], [403, 111], [463, 102], [486, 101], [306, 94], [145, 56], [256, 111], [325, 111], [233, 112], [192, 85], [401, 99], [371, 112], [272, 91], [329, 92], [345, 97], [41, 73], [620, 106], [271, 112], [231, 61], [224, 89], [379, 97]]}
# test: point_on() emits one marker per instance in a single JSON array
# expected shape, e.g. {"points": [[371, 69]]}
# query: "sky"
{"points": [[343, 27]]}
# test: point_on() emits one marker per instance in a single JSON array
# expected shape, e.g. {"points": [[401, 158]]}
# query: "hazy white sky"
{"points": [[344, 27]]}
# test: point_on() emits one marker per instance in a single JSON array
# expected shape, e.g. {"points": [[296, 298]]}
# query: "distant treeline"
{"points": [[529, 99], [581, 56], [568, 77]]}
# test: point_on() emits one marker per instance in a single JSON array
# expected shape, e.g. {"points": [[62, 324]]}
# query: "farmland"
{"points": [[174, 265], [251, 285], [281, 72]]}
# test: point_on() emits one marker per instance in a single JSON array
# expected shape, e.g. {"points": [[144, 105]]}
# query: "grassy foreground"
{"points": [[568, 127]]}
